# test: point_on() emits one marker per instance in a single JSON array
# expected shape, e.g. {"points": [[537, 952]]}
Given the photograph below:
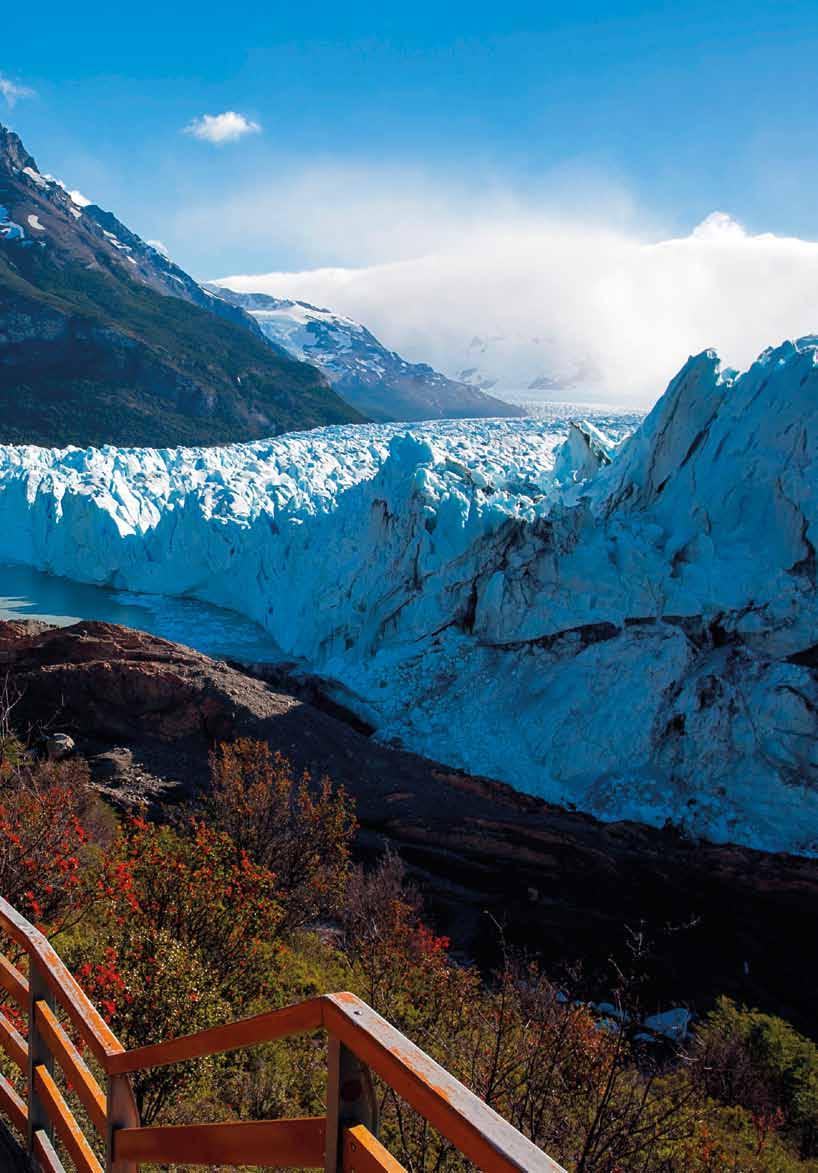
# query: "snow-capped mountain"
{"points": [[629, 628], [374, 379], [104, 339]]}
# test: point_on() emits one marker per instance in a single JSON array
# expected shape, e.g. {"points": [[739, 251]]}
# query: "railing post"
{"points": [[122, 1113], [350, 1099], [39, 1055]]}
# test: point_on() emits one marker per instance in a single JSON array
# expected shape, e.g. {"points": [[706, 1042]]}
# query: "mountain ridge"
{"points": [[377, 381], [105, 340]]}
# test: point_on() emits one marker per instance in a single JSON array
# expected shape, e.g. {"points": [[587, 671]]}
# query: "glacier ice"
{"points": [[633, 634]]}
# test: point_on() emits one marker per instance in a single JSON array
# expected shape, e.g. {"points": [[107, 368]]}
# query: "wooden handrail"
{"points": [[361, 1152], [245, 1032], [13, 1043], [13, 982], [88, 1091], [473, 1127], [65, 1122], [92, 1027], [360, 1042], [13, 1105], [44, 1154]]}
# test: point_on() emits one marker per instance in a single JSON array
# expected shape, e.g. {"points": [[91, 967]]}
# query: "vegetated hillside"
{"points": [[248, 899], [374, 379], [103, 340]]}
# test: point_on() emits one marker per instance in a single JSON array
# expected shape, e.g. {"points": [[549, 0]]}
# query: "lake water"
{"points": [[30, 594]]}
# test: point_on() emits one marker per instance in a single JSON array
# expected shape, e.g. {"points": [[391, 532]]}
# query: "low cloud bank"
{"points": [[549, 307]]}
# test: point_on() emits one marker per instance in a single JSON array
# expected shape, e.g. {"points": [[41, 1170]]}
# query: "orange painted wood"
{"points": [[361, 1152], [263, 1028], [65, 1123], [84, 1015], [13, 1106], [45, 1155], [81, 1080], [272, 1144], [13, 1043], [13, 982], [476, 1129]]}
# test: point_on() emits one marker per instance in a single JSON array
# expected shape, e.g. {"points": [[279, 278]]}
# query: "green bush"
{"points": [[760, 1062]]}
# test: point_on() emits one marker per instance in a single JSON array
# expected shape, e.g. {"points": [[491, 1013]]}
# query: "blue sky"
{"points": [[447, 171], [662, 111]]}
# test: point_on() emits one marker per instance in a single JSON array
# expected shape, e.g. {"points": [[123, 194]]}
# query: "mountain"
{"points": [[105, 340], [375, 380], [630, 628]]}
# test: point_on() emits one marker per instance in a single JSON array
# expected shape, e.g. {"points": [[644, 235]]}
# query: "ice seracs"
{"points": [[584, 453], [636, 636]]}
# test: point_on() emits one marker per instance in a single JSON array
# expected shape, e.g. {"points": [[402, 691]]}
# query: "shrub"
{"points": [[197, 888], [761, 1063], [301, 833], [44, 807]]}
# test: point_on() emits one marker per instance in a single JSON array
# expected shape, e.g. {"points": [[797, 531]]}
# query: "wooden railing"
{"points": [[360, 1044]]}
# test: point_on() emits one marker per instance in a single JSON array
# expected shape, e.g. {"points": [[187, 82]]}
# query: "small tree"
{"points": [[181, 939], [301, 832]]}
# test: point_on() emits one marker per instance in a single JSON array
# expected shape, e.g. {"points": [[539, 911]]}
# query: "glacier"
{"points": [[629, 628]]}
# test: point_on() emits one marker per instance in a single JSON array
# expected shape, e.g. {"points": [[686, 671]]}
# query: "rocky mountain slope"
{"points": [[630, 629], [104, 340], [374, 379], [718, 919]]}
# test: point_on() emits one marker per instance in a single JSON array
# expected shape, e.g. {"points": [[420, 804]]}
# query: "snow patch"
{"points": [[35, 177]]}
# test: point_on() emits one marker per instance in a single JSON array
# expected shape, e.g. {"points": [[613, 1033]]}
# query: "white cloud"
{"points": [[221, 128], [12, 92], [522, 289]]}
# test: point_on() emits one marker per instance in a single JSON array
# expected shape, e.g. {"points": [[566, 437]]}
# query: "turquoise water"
{"points": [[30, 594]]}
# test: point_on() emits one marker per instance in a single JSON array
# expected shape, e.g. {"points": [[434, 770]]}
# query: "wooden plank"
{"points": [[65, 1123], [88, 1091], [274, 1144], [361, 1152], [45, 1155], [476, 1129], [84, 1015], [13, 1106], [247, 1032], [39, 1116], [13, 982], [13, 1043]]}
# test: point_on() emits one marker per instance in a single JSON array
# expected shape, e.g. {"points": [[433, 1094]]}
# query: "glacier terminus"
{"points": [[636, 612]]}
